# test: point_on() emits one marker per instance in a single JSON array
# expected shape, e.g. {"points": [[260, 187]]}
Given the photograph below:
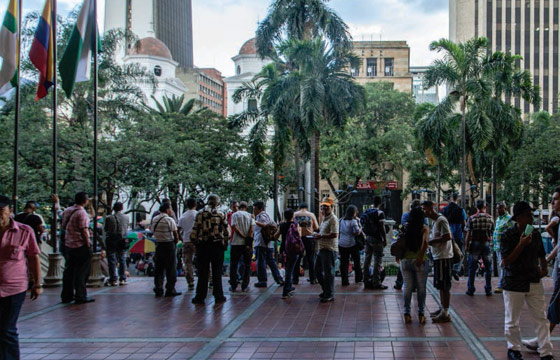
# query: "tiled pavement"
{"points": [[128, 322]]}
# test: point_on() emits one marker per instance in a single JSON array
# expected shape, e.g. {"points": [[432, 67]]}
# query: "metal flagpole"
{"points": [[16, 116], [54, 272]]}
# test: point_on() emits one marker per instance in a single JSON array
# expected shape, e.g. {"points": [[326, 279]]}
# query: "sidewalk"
{"points": [[128, 322]]}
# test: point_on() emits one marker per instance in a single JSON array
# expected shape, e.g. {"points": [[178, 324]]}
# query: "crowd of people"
{"points": [[430, 241]]}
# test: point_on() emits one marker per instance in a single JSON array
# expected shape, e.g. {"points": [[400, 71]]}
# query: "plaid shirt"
{"points": [[74, 219], [480, 227], [501, 226], [209, 226]]}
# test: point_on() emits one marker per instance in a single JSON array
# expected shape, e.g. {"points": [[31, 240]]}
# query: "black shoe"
{"points": [[321, 295], [345, 283], [470, 293], [314, 282], [292, 289], [327, 299], [397, 287], [281, 282], [379, 287], [489, 293], [455, 276], [514, 355], [158, 292], [233, 289], [66, 301], [172, 293], [260, 285], [84, 301], [547, 357], [220, 300], [196, 300], [245, 289], [295, 282]]}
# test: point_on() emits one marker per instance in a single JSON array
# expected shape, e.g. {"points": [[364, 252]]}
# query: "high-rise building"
{"points": [[206, 85], [524, 27], [383, 61], [168, 20]]}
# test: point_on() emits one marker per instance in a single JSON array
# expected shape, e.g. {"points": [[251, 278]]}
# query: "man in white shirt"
{"points": [[442, 252], [165, 232], [186, 222], [242, 225]]}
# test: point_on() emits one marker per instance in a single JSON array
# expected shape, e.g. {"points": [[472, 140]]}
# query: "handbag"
{"points": [[398, 247], [457, 253]]}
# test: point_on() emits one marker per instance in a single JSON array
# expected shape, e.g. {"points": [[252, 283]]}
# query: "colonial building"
{"points": [[387, 61]]}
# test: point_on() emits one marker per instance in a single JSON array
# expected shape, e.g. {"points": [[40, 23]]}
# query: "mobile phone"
{"points": [[528, 230]]}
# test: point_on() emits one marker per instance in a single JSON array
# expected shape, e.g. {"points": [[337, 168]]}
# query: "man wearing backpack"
{"points": [[373, 225], [115, 227], [480, 228], [264, 246], [456, 216]]}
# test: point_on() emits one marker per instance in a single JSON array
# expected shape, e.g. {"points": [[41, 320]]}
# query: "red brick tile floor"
{"points": [[128, 322]]}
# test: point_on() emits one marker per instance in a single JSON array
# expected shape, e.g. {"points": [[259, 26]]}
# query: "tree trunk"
{"points": [[316, 191], [438, 184], [463, 154], [275, 195], [299, 177], [493, 188]]}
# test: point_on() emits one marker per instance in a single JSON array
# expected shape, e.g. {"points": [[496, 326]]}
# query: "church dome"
{"points": [[248, 48], [151, 46]]}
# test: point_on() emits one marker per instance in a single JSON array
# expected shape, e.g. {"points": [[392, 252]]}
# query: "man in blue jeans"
{"points": [[477, 243], [264, 251], [19, 254]]}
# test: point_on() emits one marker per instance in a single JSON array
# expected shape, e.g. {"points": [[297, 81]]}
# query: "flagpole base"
{"points": [[54, 273], [96, 276]]}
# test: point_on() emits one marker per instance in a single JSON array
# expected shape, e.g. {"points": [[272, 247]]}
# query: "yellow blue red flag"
{"points": [[42, 50]]}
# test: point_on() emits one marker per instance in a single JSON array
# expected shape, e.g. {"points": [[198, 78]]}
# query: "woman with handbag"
{"points": [[413, 264], [349, 230]]}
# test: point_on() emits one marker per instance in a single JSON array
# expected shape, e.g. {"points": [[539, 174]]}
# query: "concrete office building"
{"points": [[206, 85], [167, 20], [383, 61], [525, 27]]}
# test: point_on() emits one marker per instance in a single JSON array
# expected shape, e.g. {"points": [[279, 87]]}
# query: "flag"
{"points": [[9, 48], [42, 50], [75, 64]]}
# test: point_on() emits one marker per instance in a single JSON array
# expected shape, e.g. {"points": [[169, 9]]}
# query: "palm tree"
{"points": [[173, 105], [301, 20], [473, 77]]}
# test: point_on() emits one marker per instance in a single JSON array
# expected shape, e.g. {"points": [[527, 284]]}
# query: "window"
{"points": [[389, 67], [238, 70], [371, 67], [252, 105], [355, 72], [157, 70]]}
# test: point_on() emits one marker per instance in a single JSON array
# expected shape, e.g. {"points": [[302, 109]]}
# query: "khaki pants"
{"points": [[188, 255], [513, 303]]}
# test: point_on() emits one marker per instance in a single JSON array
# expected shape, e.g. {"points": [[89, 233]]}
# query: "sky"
{"points": [[220, 27]]}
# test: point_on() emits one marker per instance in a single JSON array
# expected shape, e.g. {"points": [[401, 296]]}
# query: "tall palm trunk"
{"points": [[438, 184], [463, 154], [299, 177], [316, 191]]}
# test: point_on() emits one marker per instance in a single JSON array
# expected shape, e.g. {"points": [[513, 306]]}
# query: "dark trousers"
{"points": [[375, 250], [310, 255], [324, 269], [345, 254], [209, 255], [291, 262], [76, 274], [400, 281], [114, 259], [265, 256], [240, 252], [166, 266], [10, 307], [479, 250]]}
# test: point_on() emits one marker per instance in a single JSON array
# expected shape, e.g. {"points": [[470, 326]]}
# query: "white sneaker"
{"points": [[530, 344], [122, 282]]}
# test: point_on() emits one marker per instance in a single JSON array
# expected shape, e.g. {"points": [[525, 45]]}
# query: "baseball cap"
{"points": [[327, 202], [520, 208]]}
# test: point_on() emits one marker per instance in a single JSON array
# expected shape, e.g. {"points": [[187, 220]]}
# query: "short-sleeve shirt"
{"points": [[16, 245], [501, 225], [75, 219], [329, 225], [265, 219], [480, 227], [210, 226], [519, 275], [32, 220], [186, 223], [242, 220], [163, 227], [348, 228], [306, 221], [441, 250], [116, 223], [284, 228]]}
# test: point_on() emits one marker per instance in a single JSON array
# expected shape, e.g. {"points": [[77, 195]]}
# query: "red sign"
{"points": [[374, 185]]}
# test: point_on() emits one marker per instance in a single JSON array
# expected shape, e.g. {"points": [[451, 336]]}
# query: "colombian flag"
{"points": [[42, 50]]}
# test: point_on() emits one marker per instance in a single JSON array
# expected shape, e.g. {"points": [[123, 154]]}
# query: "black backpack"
{"points": [[370, 223], [453, 213]]}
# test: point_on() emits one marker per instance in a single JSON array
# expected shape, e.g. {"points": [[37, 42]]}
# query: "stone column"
{"points": [[96, 277], [54, 273]]}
